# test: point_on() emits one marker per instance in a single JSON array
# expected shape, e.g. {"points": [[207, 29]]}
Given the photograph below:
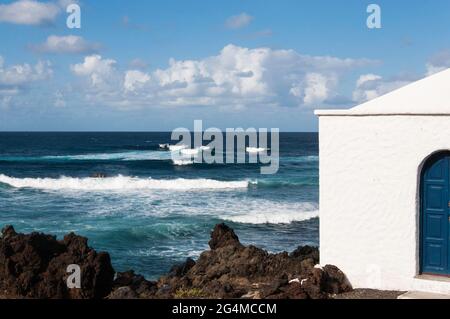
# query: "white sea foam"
{"points": [[190, 152], [274, 218], [182, 162], [194, 151], [119, 183], [177, 148], [273, 213]]}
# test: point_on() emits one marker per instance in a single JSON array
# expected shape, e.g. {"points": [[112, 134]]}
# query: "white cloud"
{"points": [[96, 68], [238, 21], [93, 64], [22, 74], [16, 80], [29, 12], [135, 79], [371, 86], [66, 44], [367, 78], [439, 62], [237, 76], [317, 89]]}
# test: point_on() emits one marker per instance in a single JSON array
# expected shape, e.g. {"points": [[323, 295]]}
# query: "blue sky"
{"points": [[159, 65]]}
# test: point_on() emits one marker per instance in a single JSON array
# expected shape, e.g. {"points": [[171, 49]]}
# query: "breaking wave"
{"points": [[276, 214], [182, 162], [119, 183]]}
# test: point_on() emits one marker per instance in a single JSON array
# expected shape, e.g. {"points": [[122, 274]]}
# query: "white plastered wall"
{"points": [[369, 196]]}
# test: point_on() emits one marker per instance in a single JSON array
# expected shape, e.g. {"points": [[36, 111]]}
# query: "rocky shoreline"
{"points": [[35, 266]]}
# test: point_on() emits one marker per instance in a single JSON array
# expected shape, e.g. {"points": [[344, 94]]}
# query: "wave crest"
{"points": [[119, 183], [182, 162], [276, 214]]}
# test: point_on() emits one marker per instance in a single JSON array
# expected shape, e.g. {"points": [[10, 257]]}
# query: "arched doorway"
{"points": [[435, 214]]}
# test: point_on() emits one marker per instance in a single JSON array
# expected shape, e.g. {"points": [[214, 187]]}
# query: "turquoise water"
{"points": [[150, 213]]}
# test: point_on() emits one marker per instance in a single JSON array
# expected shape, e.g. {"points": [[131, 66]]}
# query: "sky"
{"points": [[158, 65]]}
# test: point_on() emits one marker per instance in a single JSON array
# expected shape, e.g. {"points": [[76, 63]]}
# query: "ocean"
{"points": [[149, 212]]}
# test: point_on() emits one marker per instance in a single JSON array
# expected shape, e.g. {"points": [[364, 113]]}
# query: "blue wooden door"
{"points": [[435, 216]]}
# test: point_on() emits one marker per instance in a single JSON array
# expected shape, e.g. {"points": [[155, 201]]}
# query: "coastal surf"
{"points": [[130, 198]]}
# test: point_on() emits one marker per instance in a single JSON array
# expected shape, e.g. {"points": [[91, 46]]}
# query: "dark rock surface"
{"points": [[182, 269], [35, 266], [231, 270], [128, 285], [223, 236]]}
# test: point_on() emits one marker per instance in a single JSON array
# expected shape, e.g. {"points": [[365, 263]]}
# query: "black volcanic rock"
{"points": [[128, 285], [182, 269], [231, 270], [305, 252], [223, 236], [35, 266]]}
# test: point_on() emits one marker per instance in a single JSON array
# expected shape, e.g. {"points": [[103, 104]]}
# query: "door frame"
{"points": [[420, 214]]}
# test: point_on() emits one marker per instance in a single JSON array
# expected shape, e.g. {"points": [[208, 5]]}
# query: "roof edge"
{"points": [[352, 112]]}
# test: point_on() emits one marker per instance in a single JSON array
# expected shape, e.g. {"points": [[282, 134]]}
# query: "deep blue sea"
{"points": [[150, 213]]}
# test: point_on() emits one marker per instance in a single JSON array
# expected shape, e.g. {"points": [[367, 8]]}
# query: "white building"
{"points": [[384, 188]]}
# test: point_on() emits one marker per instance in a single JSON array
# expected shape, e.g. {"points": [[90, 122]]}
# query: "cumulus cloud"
{"points": [[29, 12], [16, 80], [135, 79], [70, 44], [95, 68], [238, 21], [371, 86], [439, 62], [317, 88], [237, 76], [22, 74]]}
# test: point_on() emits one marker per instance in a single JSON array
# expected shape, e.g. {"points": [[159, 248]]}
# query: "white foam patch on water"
{"points": [[273, 218], [273, 213], [119, 183], [182, 162], [191, 152]]}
